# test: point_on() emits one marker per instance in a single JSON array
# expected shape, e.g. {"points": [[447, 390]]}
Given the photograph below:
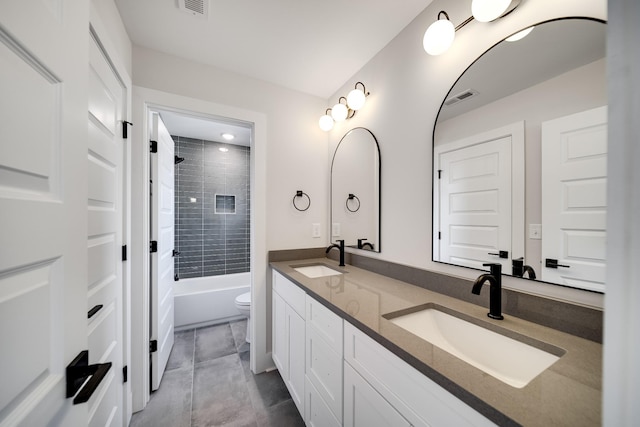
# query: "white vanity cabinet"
{"points": [[288, 345], [324, 356], [418, 400]]}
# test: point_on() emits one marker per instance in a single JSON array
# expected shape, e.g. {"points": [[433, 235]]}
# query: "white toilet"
{"points": [[243, 304]]}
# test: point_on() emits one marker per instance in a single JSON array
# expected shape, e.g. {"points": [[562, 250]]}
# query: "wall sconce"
{"points": [[439, 36], [354, 101]]}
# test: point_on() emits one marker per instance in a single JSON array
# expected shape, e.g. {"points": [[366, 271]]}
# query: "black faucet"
{"points": [[340, 246], [495, 292], [362, 244], [519, 269]]}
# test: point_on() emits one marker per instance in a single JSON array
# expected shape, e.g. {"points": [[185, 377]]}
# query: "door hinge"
{"points": [[124, 252], [125, 376], [125, 125], [153, 146], [439, 235], [439, 173], [153, 246], [153, 346]]}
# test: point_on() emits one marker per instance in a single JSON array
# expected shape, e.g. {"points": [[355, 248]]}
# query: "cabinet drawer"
{"points": [[326, 323], [364, 406], [290, 292], [317, 413], [416, 397], [324, 370]]}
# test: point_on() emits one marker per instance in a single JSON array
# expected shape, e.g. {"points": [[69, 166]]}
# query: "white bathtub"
{"points": [[209, 300]]}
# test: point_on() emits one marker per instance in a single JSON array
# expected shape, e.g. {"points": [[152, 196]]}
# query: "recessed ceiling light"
{"points": [[228, 136], [223, 149]]}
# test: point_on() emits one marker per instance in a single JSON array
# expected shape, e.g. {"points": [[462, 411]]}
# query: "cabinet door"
{"points": [[324, 370], [364, 406], [295, 382], [280, 340]]}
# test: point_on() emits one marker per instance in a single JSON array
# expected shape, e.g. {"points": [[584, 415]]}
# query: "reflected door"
{"points": [[475, 204], [574, 199]]}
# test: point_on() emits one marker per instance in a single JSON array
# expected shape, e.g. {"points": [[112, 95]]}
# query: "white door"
{"points": [[162, 232], [475, 204], [43, 208], [107, 97], [574, 199]]}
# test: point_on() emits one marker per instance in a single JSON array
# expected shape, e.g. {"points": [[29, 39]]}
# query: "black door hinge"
{"points": [[153, 246], [439, 173], [125, 376], [124, 252], [125, 125], [439, 235], [153, 346], [153, 146]]}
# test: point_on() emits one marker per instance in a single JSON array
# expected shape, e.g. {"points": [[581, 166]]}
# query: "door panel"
{"points": [[104, 238], [574, 198], [43, 257], [162, 230], [475, 203]]}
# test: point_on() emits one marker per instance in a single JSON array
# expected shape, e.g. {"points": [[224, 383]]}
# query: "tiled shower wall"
{"points": [[211, 243]]}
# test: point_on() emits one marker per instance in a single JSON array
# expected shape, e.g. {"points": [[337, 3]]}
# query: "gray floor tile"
{"points": [[170, 405], [213, 342], [221, 394], [284, 414], [182, 352], [239, 331], [267, 389]]}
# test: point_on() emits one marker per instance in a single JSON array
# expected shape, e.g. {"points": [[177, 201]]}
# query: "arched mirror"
{"points": [[355, 191], [520, 158]]}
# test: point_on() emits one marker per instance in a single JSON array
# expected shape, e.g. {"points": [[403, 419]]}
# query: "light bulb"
{"points": [[356, 99], [488, 10], [439, 37], [339, 112], [326, 123]]}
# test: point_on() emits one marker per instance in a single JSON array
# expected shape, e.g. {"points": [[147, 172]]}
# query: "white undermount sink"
{"points": [[507, 359], [317, 270]]}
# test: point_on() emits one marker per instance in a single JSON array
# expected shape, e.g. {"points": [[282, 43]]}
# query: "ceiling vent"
{"points": [[469, 93], [199, 8]]}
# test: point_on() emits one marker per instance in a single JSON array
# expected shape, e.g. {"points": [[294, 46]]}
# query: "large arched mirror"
{"points": [[520, 158], [355, 191]]}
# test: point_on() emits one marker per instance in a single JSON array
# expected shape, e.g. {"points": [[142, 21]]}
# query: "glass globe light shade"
{"points": [[439, 37], [339, 112], [326, 123], [356, 99], [520, 35], [488, 10]]}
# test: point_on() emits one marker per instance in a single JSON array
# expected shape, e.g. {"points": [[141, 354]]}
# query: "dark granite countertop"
{"points": [[568, 393]]}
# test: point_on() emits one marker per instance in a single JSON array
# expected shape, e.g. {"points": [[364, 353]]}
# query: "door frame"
{"points": [[115, 57], [516, 132], [144, 101]]}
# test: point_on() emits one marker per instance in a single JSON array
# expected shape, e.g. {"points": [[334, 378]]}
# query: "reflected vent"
{"points": [[462, 96], [198, 8]]}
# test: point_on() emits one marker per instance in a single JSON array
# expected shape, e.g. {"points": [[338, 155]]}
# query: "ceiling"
{"points": [[208, 129], [309, 46]]}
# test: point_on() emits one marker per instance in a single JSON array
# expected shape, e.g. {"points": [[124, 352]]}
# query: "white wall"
{"points": [[297, 155], [407, 87]]}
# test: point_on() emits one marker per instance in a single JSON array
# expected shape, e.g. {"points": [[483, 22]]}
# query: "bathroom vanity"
{"points": [[342, 345]]}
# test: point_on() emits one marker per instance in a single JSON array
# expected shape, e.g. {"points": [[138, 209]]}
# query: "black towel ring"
{"points": [[300, 193], [351, 197]]}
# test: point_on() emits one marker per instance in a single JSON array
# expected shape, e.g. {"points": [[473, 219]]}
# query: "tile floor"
{"points": [[208, 383]]}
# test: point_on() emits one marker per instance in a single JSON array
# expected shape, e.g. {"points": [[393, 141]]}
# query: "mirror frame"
{"points": [[433, 135], [379, 183]]}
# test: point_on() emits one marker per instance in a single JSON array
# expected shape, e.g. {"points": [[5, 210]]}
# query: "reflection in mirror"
{"points": [[355, 191], [520, 158]]}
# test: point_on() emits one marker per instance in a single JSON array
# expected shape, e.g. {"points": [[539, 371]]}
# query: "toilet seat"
{"points": [[244, 299]]}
